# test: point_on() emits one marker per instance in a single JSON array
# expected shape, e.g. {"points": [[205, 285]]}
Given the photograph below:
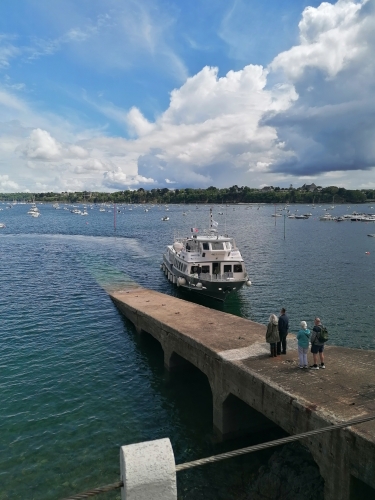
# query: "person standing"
{"points": [[317, 347], [303, 337], [272, 334], [283, 331]]}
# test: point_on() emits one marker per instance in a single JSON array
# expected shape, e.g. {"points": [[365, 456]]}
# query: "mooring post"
{"points": [[148, 471]]}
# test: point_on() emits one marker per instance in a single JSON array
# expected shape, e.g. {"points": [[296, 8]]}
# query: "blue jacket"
{"points": [[303, 337], [283, 324]]}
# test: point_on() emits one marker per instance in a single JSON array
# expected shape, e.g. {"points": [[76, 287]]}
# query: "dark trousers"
{"points": [[273, 348], [282, 343]]}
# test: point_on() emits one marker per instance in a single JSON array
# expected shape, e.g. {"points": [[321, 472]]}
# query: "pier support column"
{"points": [[232, 417], [148, 471], [330, 452], [173, 362]]}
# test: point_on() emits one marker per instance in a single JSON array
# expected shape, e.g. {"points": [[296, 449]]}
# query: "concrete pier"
{"points": [[252, 391]]}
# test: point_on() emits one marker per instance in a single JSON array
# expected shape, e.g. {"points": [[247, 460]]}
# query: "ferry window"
{"points": [[227, 268], [205, 246], [237, 268], [205, 269], [194, 269], [217, 246], [227, 245], [184, 268]]}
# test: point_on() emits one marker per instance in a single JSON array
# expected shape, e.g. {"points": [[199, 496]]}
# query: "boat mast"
{"points": [[211, 219]]}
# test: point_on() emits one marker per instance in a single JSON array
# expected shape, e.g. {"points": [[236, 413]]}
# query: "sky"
{"points": [[102, 95]]}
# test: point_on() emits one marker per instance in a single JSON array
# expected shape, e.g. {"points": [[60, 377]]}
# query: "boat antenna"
{"points": [[225, 219], [210, 218]]}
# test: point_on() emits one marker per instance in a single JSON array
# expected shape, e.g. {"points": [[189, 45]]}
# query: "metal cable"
{"points": [[270, 444], [96, 491], [230, 454]]}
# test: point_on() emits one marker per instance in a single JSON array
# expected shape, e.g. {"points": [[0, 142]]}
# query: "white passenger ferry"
{"points": [[207, 263]]}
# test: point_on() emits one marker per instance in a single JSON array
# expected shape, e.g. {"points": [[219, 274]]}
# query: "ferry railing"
{"points": [[214, 277], [148, 470]]}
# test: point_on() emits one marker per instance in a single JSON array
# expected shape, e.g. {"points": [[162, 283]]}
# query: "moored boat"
{"points": [[208, 263]]}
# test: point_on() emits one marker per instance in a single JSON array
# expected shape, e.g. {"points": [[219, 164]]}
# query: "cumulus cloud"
{"points": [[42, 146], [117, 179], [330, 127], [7, 184], [212, 127], [309, 114]]}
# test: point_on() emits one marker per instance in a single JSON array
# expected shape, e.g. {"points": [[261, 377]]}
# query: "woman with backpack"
{"points": [[317, 344], [303, 337], [272, 334]]}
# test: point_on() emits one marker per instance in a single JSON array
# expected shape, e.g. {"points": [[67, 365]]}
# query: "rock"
{"points": [[290, 473]]}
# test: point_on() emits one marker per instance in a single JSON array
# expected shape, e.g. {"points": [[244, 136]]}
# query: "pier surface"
{"points": [[252, 391]]}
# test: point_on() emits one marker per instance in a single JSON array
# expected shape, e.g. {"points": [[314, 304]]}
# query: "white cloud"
{"points": [[330, 127], [329, 36], [308, 115], [7, 185], [42, 146], [117, 179], [8, 50]]}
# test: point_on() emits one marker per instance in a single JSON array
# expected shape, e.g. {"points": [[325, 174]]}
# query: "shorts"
{"points": [[317, 348]]}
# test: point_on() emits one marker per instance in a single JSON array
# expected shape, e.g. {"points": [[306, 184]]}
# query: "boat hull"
{"points": [[215, 288]]}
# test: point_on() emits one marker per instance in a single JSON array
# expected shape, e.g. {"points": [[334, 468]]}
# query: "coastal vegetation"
{"points": [[234, 194]]}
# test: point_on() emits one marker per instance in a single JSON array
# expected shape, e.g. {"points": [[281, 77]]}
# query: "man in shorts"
{"points": [[316, 346]]}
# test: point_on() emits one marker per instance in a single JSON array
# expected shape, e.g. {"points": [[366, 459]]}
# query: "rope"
{"points": [[96, 491], [229, 454], [270, 444]]}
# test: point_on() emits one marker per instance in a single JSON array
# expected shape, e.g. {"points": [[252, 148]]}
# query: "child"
{"points": [[303, 337], [272, 334]]}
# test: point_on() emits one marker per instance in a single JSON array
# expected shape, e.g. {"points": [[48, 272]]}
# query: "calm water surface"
{"points": [[77, 382]]}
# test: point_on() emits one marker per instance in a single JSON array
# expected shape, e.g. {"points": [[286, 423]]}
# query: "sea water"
{"points": [[77, 382]]}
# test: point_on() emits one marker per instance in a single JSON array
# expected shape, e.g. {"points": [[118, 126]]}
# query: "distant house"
{"points": [[267, 188], [309, 187]]}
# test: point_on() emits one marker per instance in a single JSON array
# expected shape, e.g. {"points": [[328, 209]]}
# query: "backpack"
{"points": [[322, 336]]}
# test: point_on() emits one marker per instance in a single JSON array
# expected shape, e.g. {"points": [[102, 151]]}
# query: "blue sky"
{"points": [[107, 95]]}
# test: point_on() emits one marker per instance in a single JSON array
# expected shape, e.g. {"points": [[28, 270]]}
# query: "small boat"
{"points": [[371, 235], [276, 215], [301, 216], [165, 218], [2, 225]]}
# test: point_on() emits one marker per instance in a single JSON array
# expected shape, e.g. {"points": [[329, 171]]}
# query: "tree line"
{"points": [[234, 194]]}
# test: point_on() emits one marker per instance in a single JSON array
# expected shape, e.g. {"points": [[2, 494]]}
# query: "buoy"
{"points": [[367, 253], [199, 285], [181, 281], [248, 283]]}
